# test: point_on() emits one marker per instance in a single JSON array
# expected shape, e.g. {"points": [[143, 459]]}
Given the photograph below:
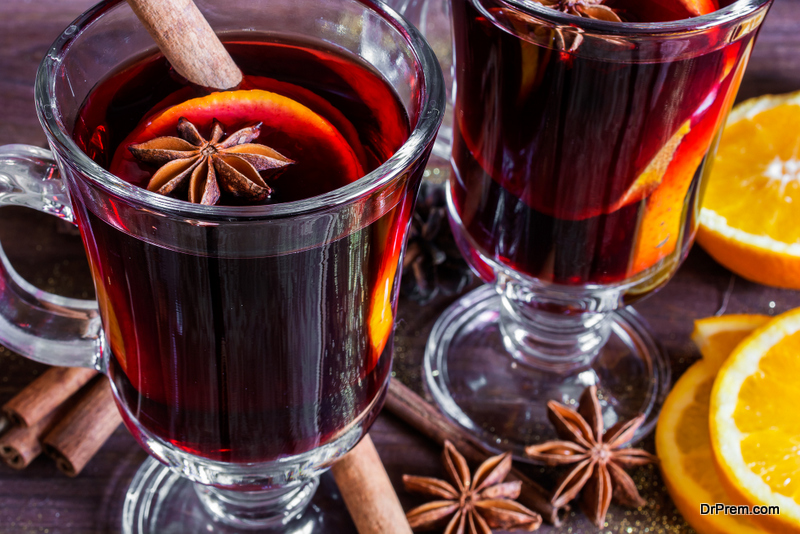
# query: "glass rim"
{"points": [[642, 30], [430, 105]]}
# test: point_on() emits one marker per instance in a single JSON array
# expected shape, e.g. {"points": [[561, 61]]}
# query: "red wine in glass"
{"points": [[577, 170], [251, 359], [580, 148]]}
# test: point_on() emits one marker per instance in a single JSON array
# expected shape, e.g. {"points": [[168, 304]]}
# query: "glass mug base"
{"points": [[477, 382], [164, 502]]}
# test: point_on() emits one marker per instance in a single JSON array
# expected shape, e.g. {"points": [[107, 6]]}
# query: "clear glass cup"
{"points": [[432, 18], [579, 152], [299, 333]]}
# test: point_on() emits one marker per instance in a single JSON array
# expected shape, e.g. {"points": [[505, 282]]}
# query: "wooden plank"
{"points": [[40, 498]]}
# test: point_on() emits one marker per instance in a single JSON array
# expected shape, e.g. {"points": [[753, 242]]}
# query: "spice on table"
{"points": [[598, 459], [80, 416], [23, 444], [367, 491], [432, 263], [45, 394], [474, 504], [414, 410], [209, 167], [77, 437]]}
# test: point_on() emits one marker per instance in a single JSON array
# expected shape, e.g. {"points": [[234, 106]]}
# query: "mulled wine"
{"points": [[250, 359], [574, 168]]}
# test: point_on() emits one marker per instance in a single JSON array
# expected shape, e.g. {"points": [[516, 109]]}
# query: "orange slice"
{"points": [[299, 94], [380, 322], [748, 221], [381, 314], [683, 441], [689, 8], [755, 431], [325, 159], [315, 103], [652, 176], [661, 227]]}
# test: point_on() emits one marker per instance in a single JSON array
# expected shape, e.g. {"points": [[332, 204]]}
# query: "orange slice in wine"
{"points": [[649, 180], [299, 94], [380, 321], [661, 229], [688, 8], [315, 103], [325, 159]]}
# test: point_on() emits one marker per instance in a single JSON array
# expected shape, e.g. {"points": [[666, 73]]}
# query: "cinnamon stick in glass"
{"points": [[415, 411], [368, 492], [188, 42], [42, 396], [76, 438]]}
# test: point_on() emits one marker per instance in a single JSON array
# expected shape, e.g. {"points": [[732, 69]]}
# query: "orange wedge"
{"points": [[322, 153], [755, 430], [749, 219], [689, 8], [683, 442], [380, 322], [661, 227]]}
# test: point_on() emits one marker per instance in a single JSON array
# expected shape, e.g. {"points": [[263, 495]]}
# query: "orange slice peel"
{"points": [[683, 440], [753, 424], [748, 220], [288, 126]]}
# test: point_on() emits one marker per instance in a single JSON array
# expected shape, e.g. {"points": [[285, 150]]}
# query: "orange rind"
{"points": [[288, 126], [748, 221]]}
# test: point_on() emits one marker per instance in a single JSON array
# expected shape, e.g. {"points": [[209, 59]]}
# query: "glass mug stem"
{"points": [[556, 342], [41, 326], [257, 509]]}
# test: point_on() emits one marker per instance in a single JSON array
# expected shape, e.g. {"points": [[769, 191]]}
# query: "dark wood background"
{"points": [[44, 251]]}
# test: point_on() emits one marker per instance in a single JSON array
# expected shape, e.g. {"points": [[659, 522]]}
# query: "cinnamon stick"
{"points": [[42, 396], [84, 429], [368, 492], [23, 444], [5, 424], [415, 411], [188, 42]]}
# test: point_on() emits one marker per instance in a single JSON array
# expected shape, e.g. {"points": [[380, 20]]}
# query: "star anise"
{"points": [[212, 166], [475, 504], [433, 263], [592, 9], [598, 459]]}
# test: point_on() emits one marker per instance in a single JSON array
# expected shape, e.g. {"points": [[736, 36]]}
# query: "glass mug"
{"points": [[247, 347], [580, 148]]}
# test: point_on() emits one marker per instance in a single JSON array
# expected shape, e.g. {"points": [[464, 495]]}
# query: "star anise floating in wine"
{"points": [[592, 9], [566, 38], [474, 504], [598, 458], [211, 167]]}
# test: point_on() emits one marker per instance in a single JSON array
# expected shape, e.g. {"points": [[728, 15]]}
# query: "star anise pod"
{"points": [[432, 263], [212, 166], [598, 459], [475, 504], [592, 9]]}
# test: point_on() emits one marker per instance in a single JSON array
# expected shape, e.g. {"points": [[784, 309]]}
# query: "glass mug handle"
{"points": [[38, 325]]}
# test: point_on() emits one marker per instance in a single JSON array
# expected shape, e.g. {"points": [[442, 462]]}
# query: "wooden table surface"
{"points": [[44, 251]]}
